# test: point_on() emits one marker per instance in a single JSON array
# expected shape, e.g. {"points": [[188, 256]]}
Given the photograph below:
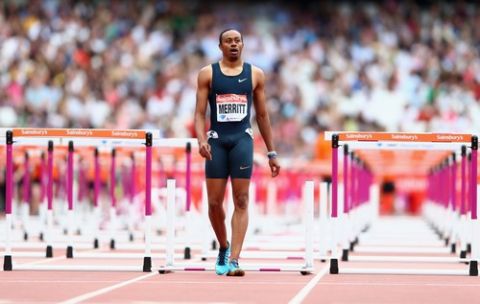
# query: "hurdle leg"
{"points": [[308, 219], [473, 267], [187, 252], [474, 188], [342, 225], [334, 200], [49, 249], [334, 259], [113, 226], [322, 221], [170, 244], [7, 261], [95, 221], [131, 221], [113, 199], [70, 215], [334, 221], [43, 219], [24, 215], [96, 194], [49, 236], [70, 234], [205, 227]]}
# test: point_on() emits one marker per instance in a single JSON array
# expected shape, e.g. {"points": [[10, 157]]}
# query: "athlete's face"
{"points": [[231, 45]]}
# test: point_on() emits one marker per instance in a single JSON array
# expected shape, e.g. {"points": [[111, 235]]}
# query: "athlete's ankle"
{"points": [[224, 248]]}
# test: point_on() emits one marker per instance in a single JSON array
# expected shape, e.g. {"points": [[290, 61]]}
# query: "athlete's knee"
{"points": [[215, 209], [241, 200], [215, 202]]}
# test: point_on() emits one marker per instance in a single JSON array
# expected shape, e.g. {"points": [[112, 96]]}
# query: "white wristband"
{"points": [[272, 154]]}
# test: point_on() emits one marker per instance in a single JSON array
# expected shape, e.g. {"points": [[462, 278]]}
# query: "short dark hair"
{"points": [[226, 30]]}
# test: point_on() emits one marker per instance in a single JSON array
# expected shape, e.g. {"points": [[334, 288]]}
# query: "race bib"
{"points": [[231, 107]]}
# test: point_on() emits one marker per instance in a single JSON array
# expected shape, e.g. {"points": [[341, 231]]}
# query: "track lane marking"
{"points": [[302, 294], [93, 294]]}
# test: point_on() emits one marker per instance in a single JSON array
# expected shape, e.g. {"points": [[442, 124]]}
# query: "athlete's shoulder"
{"points": [[256, 69], [205, 75], [258, 76], [257, 72], [206, 70]]}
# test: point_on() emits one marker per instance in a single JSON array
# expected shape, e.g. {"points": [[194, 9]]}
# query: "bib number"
{"points": [[231, 107]]}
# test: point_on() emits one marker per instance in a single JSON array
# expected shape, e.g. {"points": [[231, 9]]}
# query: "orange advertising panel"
{"points": [[405, 137], [89, 133]]}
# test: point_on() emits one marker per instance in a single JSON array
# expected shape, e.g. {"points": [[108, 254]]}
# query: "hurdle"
{"points": [[82, 137], [352, 206], [171, 265], [442, 176], [105, 146], [20, 220], [188, 144], [272, 246]]}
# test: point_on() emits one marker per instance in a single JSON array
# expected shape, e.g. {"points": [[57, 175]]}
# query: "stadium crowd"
{"points": [[395, 66]]}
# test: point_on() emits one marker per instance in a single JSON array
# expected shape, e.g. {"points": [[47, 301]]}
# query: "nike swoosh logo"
{"points": [[243, 168], [242, 80]]}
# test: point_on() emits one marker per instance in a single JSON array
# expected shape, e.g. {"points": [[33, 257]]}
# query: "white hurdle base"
{"points": [[141, 246], [411, 271], [120, 255], [28, 254], [44, 245], [299, 245], [282, 255], [137, 268], [402, 242], [245, 266], [407, 259], [401, 249]]}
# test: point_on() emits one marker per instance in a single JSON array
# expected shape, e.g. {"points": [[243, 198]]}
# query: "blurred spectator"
{"points": [[396, 66]]}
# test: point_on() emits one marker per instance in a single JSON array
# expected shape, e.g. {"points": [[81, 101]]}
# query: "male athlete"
{"points": [[230, 87]]}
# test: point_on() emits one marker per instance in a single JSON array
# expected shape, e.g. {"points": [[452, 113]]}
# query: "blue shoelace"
{"points": [[221, 257], [234, 263]]}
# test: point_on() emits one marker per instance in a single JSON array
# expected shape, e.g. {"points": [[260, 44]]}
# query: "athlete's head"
{"points": [[231, 44]]}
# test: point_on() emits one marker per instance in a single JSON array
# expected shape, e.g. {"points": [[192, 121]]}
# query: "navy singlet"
{"points": [[230, 135]]}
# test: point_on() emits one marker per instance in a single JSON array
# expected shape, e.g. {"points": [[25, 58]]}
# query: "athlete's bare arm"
{"points": [[261, 113], [203, 86]]}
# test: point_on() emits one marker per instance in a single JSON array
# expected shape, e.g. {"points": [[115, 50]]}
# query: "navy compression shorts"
{"points": [[232, 155]]}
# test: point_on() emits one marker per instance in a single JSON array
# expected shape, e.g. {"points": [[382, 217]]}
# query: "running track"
{"points": [[206, 287]]}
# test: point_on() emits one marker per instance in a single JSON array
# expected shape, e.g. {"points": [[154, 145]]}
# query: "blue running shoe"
{"points": [[222, 266], [235, 270]]}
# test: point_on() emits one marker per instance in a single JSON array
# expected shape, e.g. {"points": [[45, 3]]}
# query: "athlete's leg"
{"points": [[241, 163], [240, 188], [216, 171], [216, 213]]}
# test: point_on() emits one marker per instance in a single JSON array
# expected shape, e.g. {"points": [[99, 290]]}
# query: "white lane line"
{"points": [[107, 289], [43, 261], [400, 284], [302, 294], [47, 260], [170, 302], [244, 283], [153, 282]]}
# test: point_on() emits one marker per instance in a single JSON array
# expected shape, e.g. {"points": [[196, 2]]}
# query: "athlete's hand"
{"points": [[274, 166], [205, 150]]}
